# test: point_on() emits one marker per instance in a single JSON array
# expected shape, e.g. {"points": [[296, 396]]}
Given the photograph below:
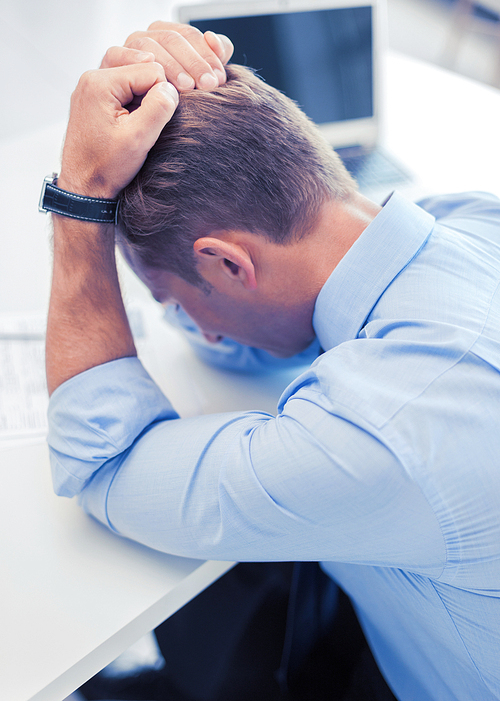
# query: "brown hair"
{"points": [[242, 157]]}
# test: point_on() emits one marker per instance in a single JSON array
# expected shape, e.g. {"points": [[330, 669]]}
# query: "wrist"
{"points": [[87, 187], [80, 248], [76, 205]]}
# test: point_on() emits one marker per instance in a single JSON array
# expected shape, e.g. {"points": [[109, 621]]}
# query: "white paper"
{"points": [[23, 390]]}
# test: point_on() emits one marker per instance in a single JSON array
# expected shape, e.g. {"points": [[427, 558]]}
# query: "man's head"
{"points": [[240, 213], [242, 157]]}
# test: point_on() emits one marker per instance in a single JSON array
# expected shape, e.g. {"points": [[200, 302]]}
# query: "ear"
{"points": [[217, 257]]}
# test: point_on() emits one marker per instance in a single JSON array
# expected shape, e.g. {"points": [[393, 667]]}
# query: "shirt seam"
{"points": [[465, 647], [454, 364], [397, 452]]}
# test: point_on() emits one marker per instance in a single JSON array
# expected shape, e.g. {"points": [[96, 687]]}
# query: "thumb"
{"points": [[156, 109]]}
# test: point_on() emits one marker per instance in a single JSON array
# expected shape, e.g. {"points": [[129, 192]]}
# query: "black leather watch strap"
{"points": [[69, 204]]}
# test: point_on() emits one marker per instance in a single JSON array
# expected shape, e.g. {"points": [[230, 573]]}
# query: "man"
{"points": [[382, 461]]}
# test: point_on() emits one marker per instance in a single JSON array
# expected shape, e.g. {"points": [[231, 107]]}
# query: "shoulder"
{"points": [[462, 204]]}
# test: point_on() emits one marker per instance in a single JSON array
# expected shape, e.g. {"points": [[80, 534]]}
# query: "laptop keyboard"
{"points": [[372, 168]]}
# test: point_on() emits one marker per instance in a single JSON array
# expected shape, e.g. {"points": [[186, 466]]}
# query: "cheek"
{"points": [[206, 318]]}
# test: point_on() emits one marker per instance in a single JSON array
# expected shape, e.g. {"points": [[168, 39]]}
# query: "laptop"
{"points": [[324, 54]]}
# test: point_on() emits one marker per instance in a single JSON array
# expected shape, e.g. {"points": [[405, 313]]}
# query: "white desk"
{"points": [[445, 126], [73, 596]]}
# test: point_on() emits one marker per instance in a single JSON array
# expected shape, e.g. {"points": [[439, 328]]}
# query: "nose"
{"points": [[213, 338]]}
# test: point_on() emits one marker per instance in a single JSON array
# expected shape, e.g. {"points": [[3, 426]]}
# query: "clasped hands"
{"points": [[118, 111]]}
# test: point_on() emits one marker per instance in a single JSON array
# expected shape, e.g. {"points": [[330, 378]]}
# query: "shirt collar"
{"points": [[385, 247]]}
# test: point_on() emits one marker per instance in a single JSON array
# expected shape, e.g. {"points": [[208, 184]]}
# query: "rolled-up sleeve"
{"points": [[305, 485], [97, 415]]}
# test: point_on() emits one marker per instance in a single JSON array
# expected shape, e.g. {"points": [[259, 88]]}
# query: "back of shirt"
{"points": [[436, 635]]}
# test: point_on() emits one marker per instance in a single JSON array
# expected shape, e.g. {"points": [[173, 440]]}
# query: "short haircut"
{"points": [[241, 157]]}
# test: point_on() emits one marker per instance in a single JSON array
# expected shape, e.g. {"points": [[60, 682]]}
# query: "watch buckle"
{"points": [[48, 180]]}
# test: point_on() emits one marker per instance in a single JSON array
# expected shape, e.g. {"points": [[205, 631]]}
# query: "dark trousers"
{"points": [[263, 632]]}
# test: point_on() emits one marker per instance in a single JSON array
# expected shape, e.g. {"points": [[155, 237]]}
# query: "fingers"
{"points": [[107, 142], [127, 82], [220, 45], [157, 107], [185, 65], [159, 101], [122, 56], [188, 58]]}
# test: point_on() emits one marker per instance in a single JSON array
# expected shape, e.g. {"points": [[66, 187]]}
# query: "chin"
{"points": [[285, 352], [289, 346], [281, 353]]}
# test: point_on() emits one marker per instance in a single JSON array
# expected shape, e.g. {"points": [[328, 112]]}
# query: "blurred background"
{"points": [[45, 46]]}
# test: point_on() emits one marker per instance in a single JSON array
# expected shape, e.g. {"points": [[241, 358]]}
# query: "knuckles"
{"points": [[167, 37], [97, 80], [132, 38], [87, 88], [159, 24], [184, 29], [141, 43], [89, 80], [112, 56], [190, 33], [164, 33]]}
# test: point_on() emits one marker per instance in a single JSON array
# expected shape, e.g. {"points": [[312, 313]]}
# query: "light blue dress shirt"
{"points": [[383, 461]]}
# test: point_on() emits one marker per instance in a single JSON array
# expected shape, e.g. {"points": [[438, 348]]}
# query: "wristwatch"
{"points": [[69, 204]]}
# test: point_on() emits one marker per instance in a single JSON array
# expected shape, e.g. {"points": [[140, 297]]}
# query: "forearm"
{"points": [[87, 324], [116, 116]]}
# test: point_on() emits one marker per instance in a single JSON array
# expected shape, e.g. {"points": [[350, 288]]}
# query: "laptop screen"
{"points": [[323, 59]]}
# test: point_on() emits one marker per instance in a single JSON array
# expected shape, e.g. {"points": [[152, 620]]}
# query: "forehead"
{"points": [[151, 277]]}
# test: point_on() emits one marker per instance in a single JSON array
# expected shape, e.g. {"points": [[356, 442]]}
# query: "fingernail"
{"points": [[226, 42], [208, 82], [217, 39], [184, 81], [221, 76], [170, 91]]}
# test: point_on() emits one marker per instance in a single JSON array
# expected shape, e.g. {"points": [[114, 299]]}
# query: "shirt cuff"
{"points": [[98, 414]]}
